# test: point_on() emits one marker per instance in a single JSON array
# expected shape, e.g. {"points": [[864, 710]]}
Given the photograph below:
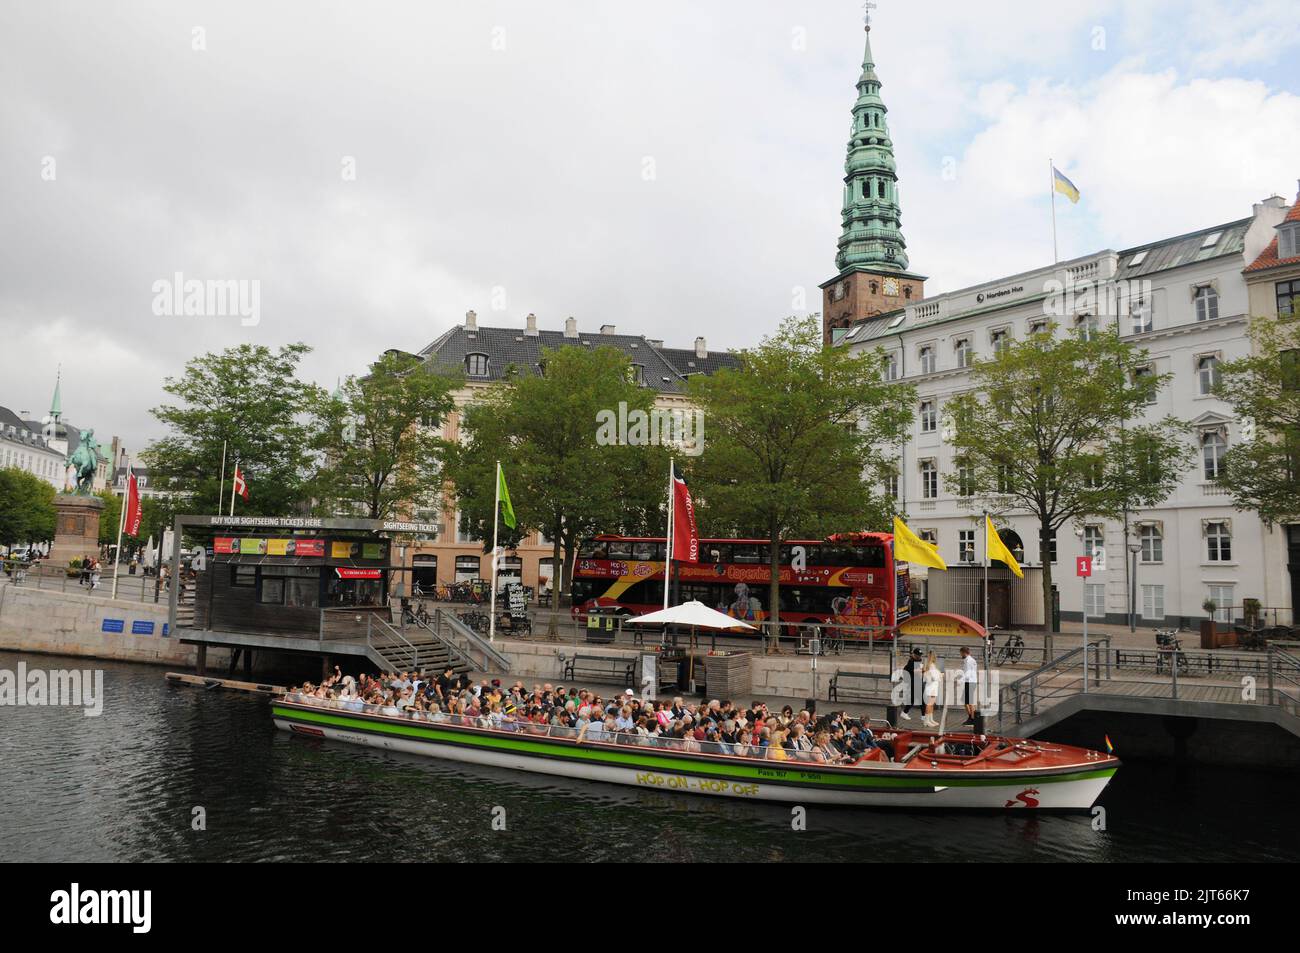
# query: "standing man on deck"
{"points": [[970, 678]]}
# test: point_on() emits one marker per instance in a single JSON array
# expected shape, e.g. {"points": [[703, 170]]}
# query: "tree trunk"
{"points": [[1045, 553], [774, 586], [557, 583]]}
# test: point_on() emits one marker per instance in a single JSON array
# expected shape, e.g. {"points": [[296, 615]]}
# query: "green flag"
{"points": [[507, 511]]}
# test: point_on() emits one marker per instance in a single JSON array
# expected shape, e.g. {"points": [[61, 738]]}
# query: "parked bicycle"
{"points": [[1010, 651], [1169, 650], [478, 621]]}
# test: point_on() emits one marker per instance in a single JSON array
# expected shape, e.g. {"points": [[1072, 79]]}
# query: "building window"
{"points": [[1051, 549], [1153, 544], [929, 480], [891, 486], [1288, 241], [966, 545], [1139, 310], [1000, 339], [1213, 447], [891, 367], [1004, 478], [929, 416], [1142, 377], [1207, 303], [1086, 326], [467, 568], [476, 365], [1092, 540], [1222, 596], [926, 356], [1207, 374], [931, 536], [964, 352], [1038, 326], [965, 480], [1218, 543], [1287, 294], [1153, 602], [636, 373], [1094, 600]]}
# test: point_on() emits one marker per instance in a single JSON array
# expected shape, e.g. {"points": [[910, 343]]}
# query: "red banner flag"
{"points": [[133, 514], [686, 540], [241, 486]]}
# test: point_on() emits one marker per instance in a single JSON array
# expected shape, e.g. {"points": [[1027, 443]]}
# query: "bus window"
{"points": [[745, 553], [661, 551], [787, 555], [718, 552], [599, 549], [645, 551], [620, 549]]}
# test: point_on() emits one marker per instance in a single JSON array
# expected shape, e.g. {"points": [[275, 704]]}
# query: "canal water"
{"points": [[125, 786]]}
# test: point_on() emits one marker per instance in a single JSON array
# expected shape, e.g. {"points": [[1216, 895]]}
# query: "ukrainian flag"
{"points": [[1064, 185]]}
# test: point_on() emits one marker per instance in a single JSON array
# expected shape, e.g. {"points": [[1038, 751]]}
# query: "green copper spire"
{"points": [[56, 405], [871, 236]]}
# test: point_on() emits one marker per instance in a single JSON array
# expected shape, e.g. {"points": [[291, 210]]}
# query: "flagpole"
{"points": [[1051, 183], [121, 521], [492, 603], [221, 487], [232, 487], [986, 573], [668, 552]]}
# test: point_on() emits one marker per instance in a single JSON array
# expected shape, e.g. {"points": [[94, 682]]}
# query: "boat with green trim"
{"points": [[953, 770]]}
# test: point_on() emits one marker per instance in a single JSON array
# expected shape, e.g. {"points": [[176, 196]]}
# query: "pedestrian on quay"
{"points": [[913, 679], [931, 694], [970, 682]]}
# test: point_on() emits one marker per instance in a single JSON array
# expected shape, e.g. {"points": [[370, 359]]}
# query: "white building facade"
{"points": [[1184, 301]]}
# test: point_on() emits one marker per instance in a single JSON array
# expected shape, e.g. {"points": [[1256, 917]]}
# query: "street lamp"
{"points": [[1134, 548]]}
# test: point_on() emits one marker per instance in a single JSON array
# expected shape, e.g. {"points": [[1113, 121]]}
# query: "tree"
{"points": [[564, 480], [1263, 471], [26, 507], [1055, 427], [379, 439], [249, 398], [793, 441]]}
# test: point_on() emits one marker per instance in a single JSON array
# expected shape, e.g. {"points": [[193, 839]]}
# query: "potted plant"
{"points": [[1207, 624]]}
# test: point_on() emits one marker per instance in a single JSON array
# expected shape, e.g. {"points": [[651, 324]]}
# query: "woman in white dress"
{"points": [[932, 679]]}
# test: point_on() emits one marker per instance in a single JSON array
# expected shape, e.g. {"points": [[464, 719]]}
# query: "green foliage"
{"points": [[794, 441], [1056, 427], [562, 481], [1263, 470], [249, 397], [26, 508], [379, 440]]}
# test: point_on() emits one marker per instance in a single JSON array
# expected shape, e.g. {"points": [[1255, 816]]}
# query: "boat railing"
{"points": [[528, 729]]}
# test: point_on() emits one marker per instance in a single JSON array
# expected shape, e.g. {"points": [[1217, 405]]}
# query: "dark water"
{"points": [[122, 787]]}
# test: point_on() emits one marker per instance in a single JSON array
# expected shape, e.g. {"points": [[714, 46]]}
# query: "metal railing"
{"points": [[390, 645], [134, 587], [491, 658]]}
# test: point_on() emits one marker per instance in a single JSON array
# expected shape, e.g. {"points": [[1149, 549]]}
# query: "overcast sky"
{"points": [[673, 168]]}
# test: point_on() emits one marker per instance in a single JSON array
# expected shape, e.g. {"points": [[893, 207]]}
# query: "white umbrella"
{"points": [[698, 616], [693, 613]]}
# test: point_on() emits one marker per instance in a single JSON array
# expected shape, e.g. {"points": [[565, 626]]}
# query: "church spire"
{"points": [[870, 216], [56, 405]]}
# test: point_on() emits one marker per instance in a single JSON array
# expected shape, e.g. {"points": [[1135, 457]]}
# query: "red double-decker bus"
{"points": [[848, 579]]}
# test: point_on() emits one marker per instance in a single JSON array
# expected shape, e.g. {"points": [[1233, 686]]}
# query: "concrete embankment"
{"points": [[91, 626]]}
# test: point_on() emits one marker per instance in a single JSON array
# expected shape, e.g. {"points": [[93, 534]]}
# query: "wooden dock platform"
{"points": [[207, 681]]}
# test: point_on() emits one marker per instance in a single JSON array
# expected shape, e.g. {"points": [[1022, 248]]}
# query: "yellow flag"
{"points": [[911, 548], [998, 549]]}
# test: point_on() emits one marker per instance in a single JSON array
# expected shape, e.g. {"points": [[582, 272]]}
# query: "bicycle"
{"points": [[1168, 643], [1010, 651]]}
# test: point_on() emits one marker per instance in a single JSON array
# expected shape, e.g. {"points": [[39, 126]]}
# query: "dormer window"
{"points": [[476, 365], [636, 373], [1288, 241], [1211, 239]]}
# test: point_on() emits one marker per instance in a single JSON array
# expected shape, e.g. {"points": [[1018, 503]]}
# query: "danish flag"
{"points": [[241, 485]]}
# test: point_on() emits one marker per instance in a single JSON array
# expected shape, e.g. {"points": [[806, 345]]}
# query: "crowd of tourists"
{"points": [[718, 726]]}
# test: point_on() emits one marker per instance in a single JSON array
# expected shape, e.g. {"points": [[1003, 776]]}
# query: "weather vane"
{"points": [[866, 12]]}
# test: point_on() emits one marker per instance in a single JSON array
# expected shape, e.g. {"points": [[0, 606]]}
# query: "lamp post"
{"points": [[1134, 548]]}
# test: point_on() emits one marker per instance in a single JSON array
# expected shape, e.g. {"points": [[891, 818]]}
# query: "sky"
{"points": [[374, 170]]}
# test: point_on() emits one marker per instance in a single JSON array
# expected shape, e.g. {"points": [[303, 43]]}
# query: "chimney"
{"points": [[701, 349], [570, 327], [607, 329], [471, 321], [530, 325], [1268, 214]]}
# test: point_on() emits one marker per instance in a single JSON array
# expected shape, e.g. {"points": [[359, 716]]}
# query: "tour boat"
{"points": [[953, 770]]}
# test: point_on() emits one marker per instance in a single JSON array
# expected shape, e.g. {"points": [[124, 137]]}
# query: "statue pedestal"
{"points": [[76, 528]]}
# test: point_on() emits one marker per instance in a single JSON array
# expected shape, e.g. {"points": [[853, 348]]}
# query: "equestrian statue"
{"points": [[85, 460]]}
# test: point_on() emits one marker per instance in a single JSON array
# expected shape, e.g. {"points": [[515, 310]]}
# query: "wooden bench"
{"points": [[862, 686], [603, 667]]}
